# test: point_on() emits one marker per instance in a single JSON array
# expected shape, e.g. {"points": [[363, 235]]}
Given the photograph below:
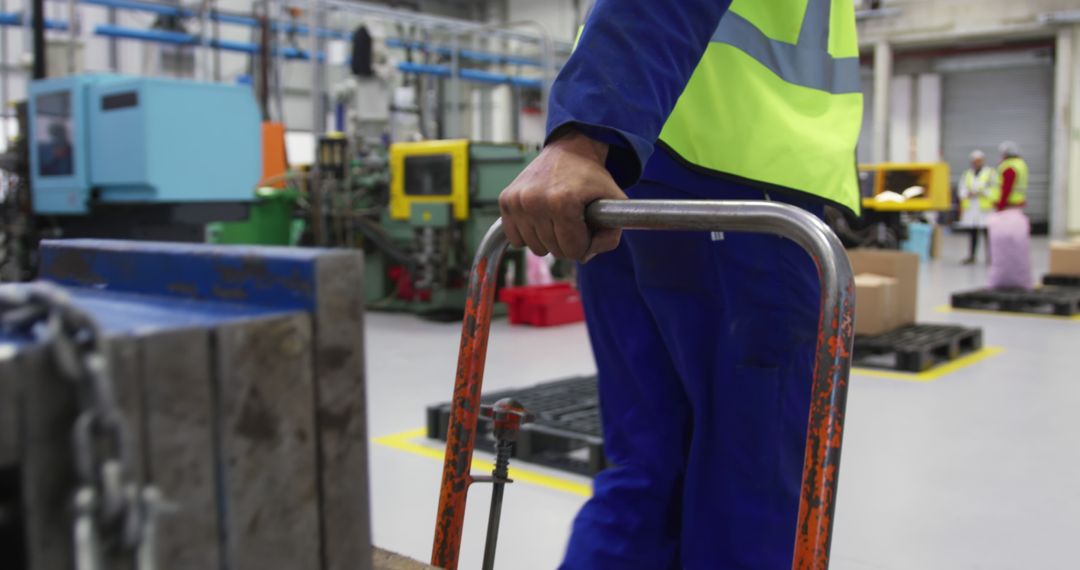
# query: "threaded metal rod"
{"points": [[500, 473]]}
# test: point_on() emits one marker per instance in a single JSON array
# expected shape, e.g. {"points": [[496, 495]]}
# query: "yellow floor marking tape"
{"points": [[948, 309], [933, 373], [406, 441]]}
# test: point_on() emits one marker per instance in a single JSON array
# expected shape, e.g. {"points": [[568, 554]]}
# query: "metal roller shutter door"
{"points": [[865, 151], [984, 107]]}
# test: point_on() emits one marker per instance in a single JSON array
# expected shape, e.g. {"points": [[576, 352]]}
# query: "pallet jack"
{"points": [[821, 466]]}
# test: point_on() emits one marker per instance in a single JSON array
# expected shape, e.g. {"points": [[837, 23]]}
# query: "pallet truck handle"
{"points": [[821, 464]]}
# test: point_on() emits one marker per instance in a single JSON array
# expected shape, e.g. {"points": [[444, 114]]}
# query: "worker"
{"points": [[1011, 191], [976, 185], [704, 342]]}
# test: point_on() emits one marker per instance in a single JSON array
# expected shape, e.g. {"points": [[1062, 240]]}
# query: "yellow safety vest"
{"points": [[1018, 196], [985, 181], [775, 102]]}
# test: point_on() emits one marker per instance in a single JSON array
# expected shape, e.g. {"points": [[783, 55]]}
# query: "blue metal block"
{"points": [[134, 287], [119, 313], [278, 277]]}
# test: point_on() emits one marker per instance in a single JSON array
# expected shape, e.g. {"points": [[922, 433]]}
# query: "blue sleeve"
{"points": [[631, 64]]}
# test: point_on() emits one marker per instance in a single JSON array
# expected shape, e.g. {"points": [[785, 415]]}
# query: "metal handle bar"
{"points": [[821, 464]]}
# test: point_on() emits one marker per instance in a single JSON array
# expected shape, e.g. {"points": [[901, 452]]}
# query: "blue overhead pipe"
{"points": [[182, 38], [500, 58], [469, 54], [159, 36], [470, 75], [237, 19], [15, 19], [159, 9], [498, 78], [424, 69]]}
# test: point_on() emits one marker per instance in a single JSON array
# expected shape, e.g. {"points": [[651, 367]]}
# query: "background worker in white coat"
{"points": [[976, 186]]}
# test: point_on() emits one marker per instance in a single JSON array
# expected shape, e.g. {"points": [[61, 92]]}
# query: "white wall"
{"points": [[560, 17], [927, 118], [900, 107], [932, 21]]}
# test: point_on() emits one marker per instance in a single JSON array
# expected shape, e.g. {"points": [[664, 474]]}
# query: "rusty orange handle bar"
{"points": [[821, 464]]}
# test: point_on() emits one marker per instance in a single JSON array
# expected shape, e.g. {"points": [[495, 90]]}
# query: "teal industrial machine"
{"points": [[113, 156], [141, 157], [442, 198]]}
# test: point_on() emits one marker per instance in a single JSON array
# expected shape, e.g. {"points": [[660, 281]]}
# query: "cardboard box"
{"points": [[875, 304], [1065, 258], [900, 265]]}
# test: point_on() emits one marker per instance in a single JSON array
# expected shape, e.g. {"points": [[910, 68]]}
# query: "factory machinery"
{"points": [[443, 198], [419, 212], [108, 156], [418, 209], [103, 155]]}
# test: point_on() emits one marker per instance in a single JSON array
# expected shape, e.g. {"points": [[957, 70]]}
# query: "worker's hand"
{"points": [[544, 207]]}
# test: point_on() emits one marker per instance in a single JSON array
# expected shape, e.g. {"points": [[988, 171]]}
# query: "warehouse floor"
{"points": [[975, 469]]}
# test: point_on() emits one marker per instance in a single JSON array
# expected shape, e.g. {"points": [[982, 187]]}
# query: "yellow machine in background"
{"points": [[426, 174], [443, 198], [894, 178]]}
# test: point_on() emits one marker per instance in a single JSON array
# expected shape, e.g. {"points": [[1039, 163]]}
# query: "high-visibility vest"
{"points": [[775, 101], [1018, 196], [986, 182]]}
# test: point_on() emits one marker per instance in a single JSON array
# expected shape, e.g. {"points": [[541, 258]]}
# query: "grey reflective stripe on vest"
{"points": [[807, 63], [814, 32]]}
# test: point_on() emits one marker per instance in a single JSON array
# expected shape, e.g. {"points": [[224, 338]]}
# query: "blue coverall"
{"points": [[704, 343]]}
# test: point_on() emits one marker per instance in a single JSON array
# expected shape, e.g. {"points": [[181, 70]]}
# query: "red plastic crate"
{"points": [[543, 305]]}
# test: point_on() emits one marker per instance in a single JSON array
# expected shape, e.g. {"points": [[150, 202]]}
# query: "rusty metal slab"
{"points": [[342, 417], [180, 444], [9, 406], [263, 379], [48, 472]]}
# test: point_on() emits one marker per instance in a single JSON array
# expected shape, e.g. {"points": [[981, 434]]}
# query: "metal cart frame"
{"points": [[821, 465]]}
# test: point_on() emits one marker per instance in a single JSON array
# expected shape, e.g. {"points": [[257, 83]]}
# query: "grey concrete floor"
{"points": [[979, 469]]}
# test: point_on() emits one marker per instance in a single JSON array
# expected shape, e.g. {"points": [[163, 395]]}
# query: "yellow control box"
{"points": [[429, 172]]}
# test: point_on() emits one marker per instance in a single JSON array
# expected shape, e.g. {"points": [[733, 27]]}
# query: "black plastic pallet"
{"points": [[566, 434], [916, 348], [1062, 280], [1049, 300]]}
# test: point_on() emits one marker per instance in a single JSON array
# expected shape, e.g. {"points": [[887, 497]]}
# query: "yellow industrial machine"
{"points": [[892, 179], [429, 175], [443, 197]]}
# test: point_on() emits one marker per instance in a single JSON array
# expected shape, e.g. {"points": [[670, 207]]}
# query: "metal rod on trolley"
{"points": [[821, 465], [494, 519]]}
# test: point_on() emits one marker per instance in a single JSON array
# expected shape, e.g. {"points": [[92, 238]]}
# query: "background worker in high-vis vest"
{"points": [[1013, 177], [976, 186], [704, 343]]}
